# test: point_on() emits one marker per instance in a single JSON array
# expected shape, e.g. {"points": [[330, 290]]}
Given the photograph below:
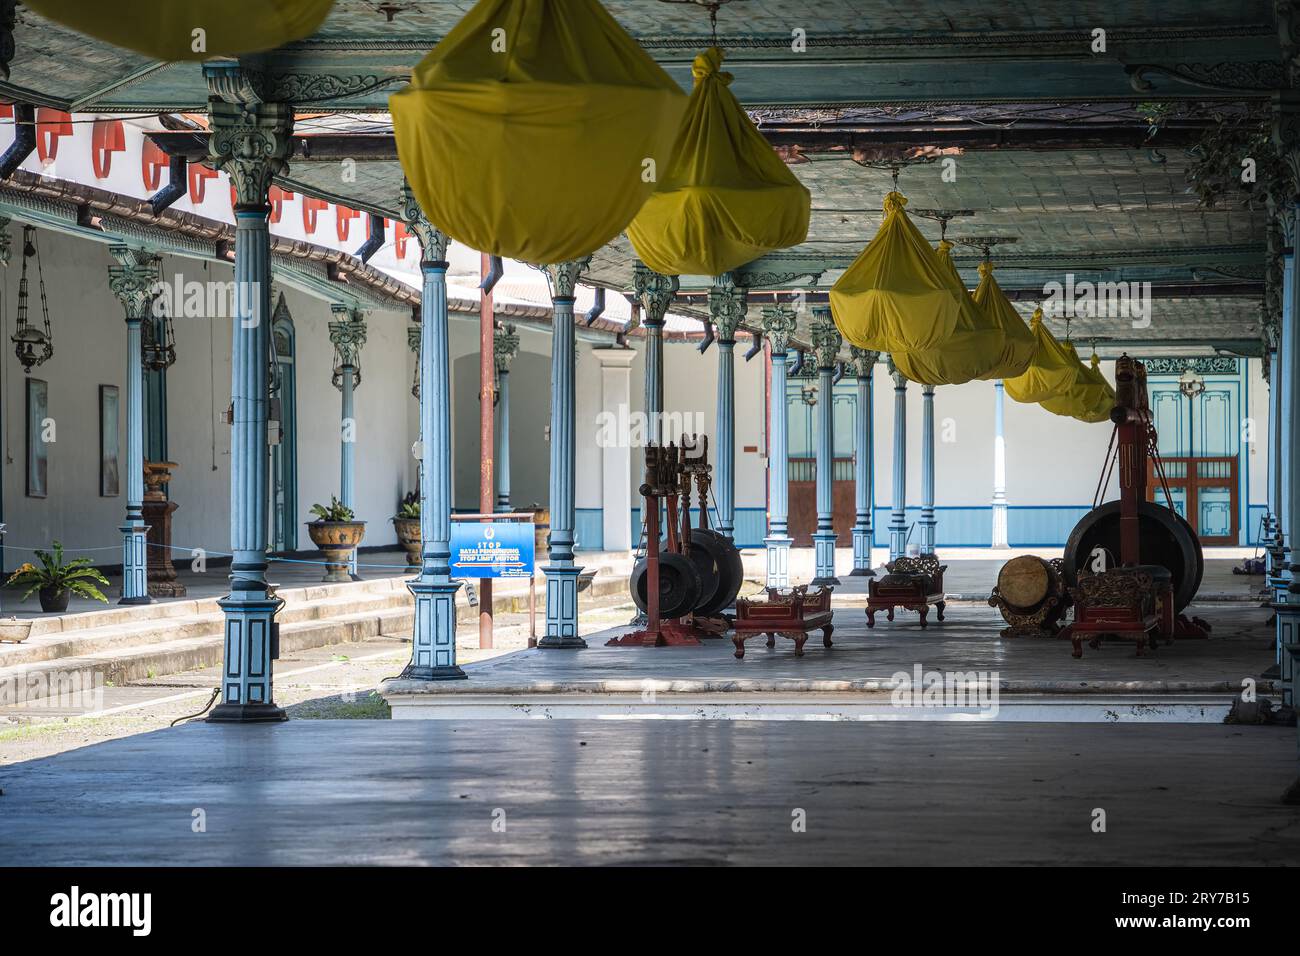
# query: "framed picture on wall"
{"points": [[109, 444], [38, 412]]}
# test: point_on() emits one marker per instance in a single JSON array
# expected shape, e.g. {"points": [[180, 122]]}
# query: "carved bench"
{"points": [[912, 583], [790, 612], [1123, 602]]}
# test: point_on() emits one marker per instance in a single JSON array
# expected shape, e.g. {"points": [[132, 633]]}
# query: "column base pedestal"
{"points": [[134, 601], [562, 608], [433, 638], [448, 672], [862, 553], [777, 552], [247, 714], [824, 559]]}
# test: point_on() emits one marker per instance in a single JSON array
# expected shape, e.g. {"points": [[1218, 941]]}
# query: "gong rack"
{"points": [[1146, 536], [681, 606]]}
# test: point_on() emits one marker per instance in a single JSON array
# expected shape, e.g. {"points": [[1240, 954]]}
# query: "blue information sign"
{"points": [[492, 549]]}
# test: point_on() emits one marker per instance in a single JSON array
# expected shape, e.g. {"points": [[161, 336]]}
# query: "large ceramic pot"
{"points": [[54, 599], [337, 540], [408, 536], [14, 631]]}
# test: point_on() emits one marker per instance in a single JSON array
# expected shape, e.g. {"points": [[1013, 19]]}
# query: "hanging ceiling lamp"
{"points": [[32, 344], [536, 129], [726, 198], [1051, 371], [189, 29], [895, 296], [158, 340]]}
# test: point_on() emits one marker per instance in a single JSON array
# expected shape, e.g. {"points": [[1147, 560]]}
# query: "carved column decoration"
{"points": [[506, 341], [561, 571], [826, 342], [728, 301], [864, 363], [251, 141], [779, 325], [134, 280], [433, 641], [655, 293]]}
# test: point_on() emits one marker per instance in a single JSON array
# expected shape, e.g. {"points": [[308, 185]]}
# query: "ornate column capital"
{"points": [[4, 240], [347, 335], [728, 303], [134, 280], [826, 338], [655, 292], [251, 140], [779, 324], [505, 341], [433, 241], [564, 276], [900, 380], [864, 361], [1286, 136]]}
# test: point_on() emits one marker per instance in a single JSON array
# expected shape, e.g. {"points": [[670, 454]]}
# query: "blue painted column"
{"points": [[779, 325], [135, 281], [561, 571], [250, 141], [655, 292], [864, 363], [347, 335], [506, 347], [433, 642], [1284, 385], [927, 469], [898, 514], [728, 301], [999, 467], [1287, 603], [826, 342]]}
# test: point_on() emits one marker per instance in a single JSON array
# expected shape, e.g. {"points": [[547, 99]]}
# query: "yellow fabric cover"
{"points": [[726, 198], [1051, 371], [1018, 343], [976, 348], [895, 297], [537, 152], [163, 29], [1089, 399]]}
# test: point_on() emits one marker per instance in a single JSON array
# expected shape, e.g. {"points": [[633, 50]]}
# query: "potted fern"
{"points": [[56, 580], [407, 525], [337, 533]]}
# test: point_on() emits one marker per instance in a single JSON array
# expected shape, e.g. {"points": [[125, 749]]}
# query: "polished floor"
{"points": [[658, 792]]}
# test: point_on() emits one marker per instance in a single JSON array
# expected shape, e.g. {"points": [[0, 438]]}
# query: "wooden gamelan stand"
{"points": [[1160, 562]]}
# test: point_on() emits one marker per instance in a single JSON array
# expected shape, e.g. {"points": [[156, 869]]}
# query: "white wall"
{"points": [[90, 350]]}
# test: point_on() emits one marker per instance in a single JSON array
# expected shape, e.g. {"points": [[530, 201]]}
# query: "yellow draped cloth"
{"points": [[726, 198], [1017, 341], [985, 344], [895, 296], [167, 29], [1051, 371], [1089, 399], [536, 129]]}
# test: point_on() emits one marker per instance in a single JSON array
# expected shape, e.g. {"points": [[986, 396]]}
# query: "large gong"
{"points": [[679, 585], [731, 566], [1165, 539]]}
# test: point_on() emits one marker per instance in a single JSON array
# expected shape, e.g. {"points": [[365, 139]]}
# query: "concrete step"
{"points": [[160, 644]]}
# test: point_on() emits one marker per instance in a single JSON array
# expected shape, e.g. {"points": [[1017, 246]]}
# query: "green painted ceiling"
{"points": [[1114, 214]]}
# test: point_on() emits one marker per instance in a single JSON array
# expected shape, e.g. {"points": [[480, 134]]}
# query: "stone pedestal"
{"points": [[158, 512]]}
